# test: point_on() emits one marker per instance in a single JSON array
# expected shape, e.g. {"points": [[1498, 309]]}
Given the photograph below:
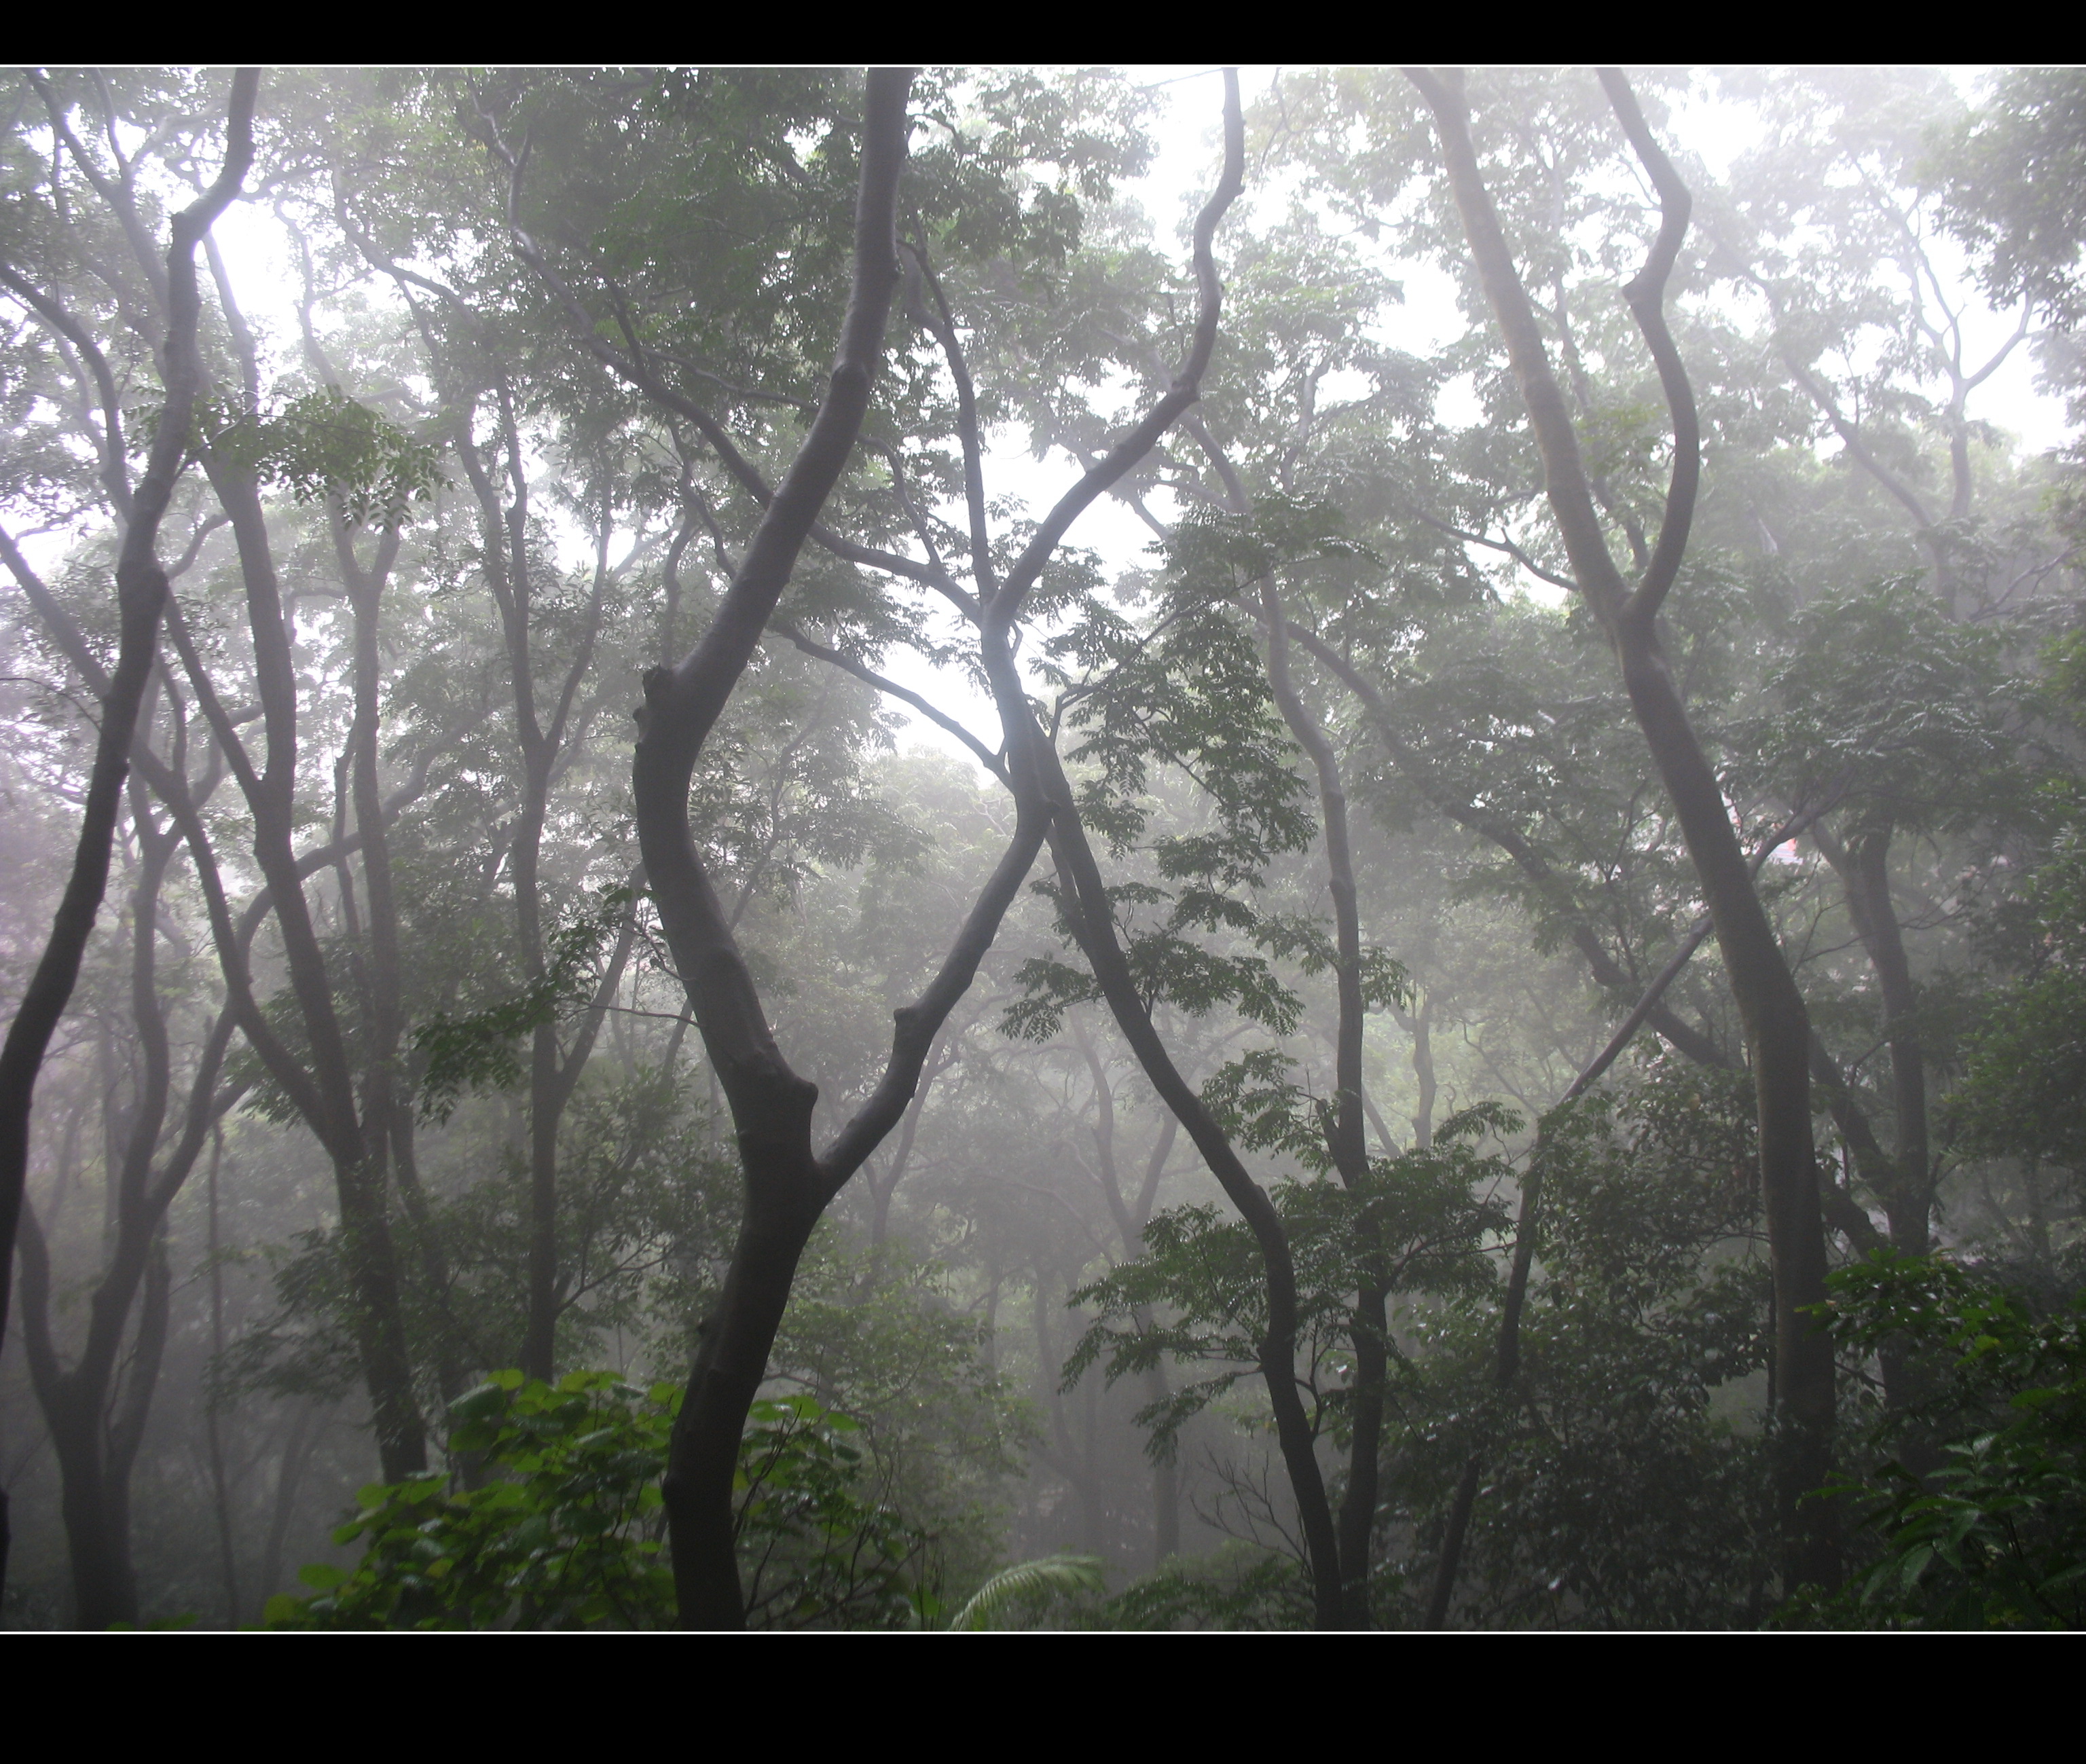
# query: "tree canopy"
{"points": [[963, 847]]}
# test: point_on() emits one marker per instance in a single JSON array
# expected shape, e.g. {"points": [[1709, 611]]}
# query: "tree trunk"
{"points": [[786, 1189], [297, 1446], [1863, 866], [1368, 1327], [1034, 766], [1165, 1484], [96, 1408], [540, 742], [326, 1093], [1776, 1025], [141, 593], [213, 1421], [1087, 897]]}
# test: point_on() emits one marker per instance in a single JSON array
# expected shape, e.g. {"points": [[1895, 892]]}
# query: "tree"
{"points": [[1777, 1024], [141, 594]]}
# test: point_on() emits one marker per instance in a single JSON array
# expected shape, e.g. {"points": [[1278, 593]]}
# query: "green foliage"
{"points": [[569, 1533], [1625, 1483], [700, 218], [569, 1537], [1896, 704], [1995, 1538], [1262, 1108], [871, 1332], [1237, 1586], [2015, 174], [482, 1049], [816, 1551], [2025, 1069], [646, 1206], [1190, 694], [1029, 1588], [324, 445], [1196, 1296], [1219, 556], [647, 1202]]}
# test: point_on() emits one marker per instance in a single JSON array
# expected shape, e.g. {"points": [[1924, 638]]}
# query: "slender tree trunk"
{"points": [[510, 573], [1165, 1484], [1778, 1027], [213, 1420], [785, 1188], [1863, 866], [1421, 1024], [126, 1428], [78, 1402], [1277, 1348], [882, 1193], [1368, 1327], [1130, 1219], [1036, 769], [730, 1364], [324, 1090], [1075, 1465], [297, 1446], [141, 594]]}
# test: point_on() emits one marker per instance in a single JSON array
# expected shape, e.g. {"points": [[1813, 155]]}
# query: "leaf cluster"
{"points": [[569, 1531], [323, 445], [1996, 1537], [1419, 1224], [480, 1050]]}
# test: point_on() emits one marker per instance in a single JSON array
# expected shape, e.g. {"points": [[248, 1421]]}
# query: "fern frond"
{"points": [[1060, 1574]]}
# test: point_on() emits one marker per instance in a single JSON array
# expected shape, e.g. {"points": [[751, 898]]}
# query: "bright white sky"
{"points": [[1189, 100], [1186, 131]]}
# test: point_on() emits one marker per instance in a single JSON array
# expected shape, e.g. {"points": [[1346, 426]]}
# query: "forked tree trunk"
{"points": [[785, 1188], [141, 594], [788, 1186], [324, 1092], [1776, 1025]]}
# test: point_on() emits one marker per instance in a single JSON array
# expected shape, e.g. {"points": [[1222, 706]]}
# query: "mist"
{"points": [[1004, 848]]}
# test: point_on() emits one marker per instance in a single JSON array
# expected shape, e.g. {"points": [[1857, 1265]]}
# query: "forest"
{"points": [[963, 848]]}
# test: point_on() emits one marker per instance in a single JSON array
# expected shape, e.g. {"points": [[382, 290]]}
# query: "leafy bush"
{"points": [[570, 1533], [1626, 1474], [1996, 1538]]}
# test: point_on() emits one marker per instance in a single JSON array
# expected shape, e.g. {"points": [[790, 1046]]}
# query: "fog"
{"points": [[1003, 848]]}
